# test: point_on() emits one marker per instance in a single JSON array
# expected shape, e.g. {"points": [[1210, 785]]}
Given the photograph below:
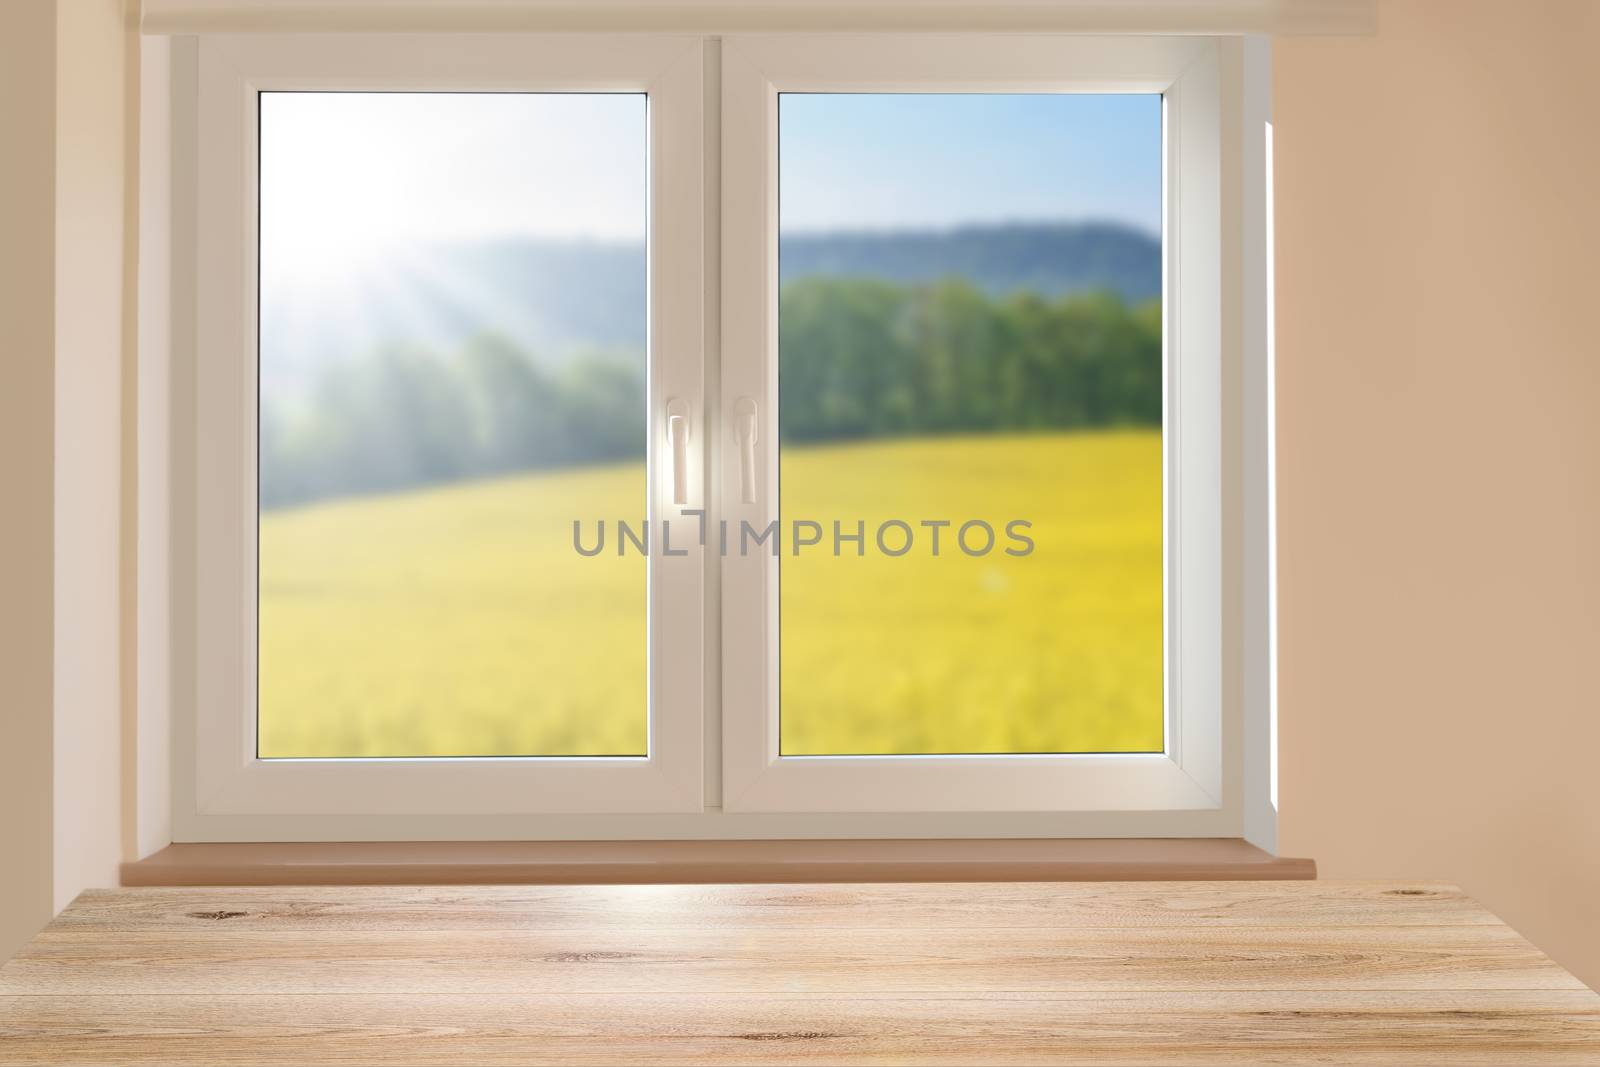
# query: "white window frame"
{"points": [[1202, 732], [224, 781], [713, 769]]}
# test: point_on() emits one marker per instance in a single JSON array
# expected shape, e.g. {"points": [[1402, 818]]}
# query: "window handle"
{"points": [[744, 428], [678, 441]]}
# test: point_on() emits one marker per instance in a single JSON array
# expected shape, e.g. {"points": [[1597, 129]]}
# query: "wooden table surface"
{"points": [[1125, 973]]}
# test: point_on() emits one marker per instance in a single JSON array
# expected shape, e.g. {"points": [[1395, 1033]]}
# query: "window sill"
{"points": [[680, 862]]}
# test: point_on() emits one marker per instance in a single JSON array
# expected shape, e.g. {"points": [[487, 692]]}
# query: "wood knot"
{"points": [[218, 915], [589, 957]]}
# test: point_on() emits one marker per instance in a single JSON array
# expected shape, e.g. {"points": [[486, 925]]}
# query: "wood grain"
{"points": [[1136, 973], [732, 960], [1487, 1027], [1026, 905]]}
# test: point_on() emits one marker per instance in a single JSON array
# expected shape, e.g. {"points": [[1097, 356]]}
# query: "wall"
{"points": [[1439, 457], [27, 433], [88, 446], [62, 290]]}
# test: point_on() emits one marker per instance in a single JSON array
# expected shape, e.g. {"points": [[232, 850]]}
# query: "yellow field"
{"points": [[454, 621], [459, 621]]}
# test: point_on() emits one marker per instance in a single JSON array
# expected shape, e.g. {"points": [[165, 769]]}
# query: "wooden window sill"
{"points": [[680, 862]]}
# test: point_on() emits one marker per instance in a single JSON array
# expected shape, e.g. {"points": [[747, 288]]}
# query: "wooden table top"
{"points": [[1125, 973]]}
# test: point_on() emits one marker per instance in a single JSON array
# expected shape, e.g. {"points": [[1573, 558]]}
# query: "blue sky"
{"points": [[348, 176], [896, 160]]}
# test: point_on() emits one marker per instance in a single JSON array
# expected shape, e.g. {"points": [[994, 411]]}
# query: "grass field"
{"points": [[460, 621]]}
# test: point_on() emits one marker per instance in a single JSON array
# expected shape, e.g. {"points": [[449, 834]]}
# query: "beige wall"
{"points": [[62, 309], [1438, 200], [89, 313], [27, 433]]}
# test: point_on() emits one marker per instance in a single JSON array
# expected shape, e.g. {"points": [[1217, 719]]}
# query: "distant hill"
{"points": [[555, 299], [1050, 258]]}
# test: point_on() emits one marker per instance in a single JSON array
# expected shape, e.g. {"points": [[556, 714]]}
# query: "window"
{"points": [[1178, 784], [388, 604], [452, 323], [775, 436], [969, 362]]}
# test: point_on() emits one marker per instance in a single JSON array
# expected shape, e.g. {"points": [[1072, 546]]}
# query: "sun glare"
{"points": [[349, 180]]}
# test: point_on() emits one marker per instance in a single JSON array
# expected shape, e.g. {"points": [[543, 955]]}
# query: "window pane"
{"points": [[970, 334], [452, 370]]}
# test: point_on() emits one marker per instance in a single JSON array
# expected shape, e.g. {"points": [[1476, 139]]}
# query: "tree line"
{"points": [[863, 358], [860, 358], [401, 417]]}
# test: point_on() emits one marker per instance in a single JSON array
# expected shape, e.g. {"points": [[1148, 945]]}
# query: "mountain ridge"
{"points": [[1051, 258]]}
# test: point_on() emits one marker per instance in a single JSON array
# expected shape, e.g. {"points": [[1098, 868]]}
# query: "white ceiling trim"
{"points": [[762, 16]]}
